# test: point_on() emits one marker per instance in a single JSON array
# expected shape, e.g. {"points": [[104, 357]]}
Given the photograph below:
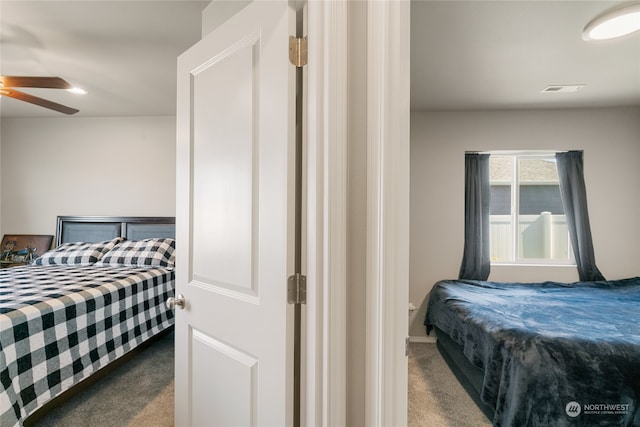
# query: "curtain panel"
{"points": [[574, 199], [476, 261]]}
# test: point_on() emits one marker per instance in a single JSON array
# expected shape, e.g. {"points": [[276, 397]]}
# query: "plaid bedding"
{"points": [[61, 323]]}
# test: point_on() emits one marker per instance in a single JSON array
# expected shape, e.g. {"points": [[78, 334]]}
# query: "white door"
{"points": [[235, 129]]}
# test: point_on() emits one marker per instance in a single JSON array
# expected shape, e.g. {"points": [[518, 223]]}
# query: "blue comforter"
{"points": [[554, 354]]}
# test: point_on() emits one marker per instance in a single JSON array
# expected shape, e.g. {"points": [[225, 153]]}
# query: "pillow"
{"points": [[77, 253], [157, 252]]}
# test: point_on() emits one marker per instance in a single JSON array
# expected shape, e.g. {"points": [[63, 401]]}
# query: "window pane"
{"points": [[501, 177], [540, 198], [501, 238], [542, 226], [500, 200], [501, 169]]}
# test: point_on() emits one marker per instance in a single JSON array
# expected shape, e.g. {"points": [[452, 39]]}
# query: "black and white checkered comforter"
{"points": [[60, 324]]}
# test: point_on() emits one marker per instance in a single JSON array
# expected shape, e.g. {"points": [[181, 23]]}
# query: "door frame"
{"points": [[388, 143], [326, 214], [387, 212]]}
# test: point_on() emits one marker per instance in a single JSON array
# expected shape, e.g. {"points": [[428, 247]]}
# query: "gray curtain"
{"points": [[574, 200], [476, 262]]}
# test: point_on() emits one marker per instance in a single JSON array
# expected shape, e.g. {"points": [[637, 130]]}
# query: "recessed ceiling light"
{"points": [[614, 23], [562, 88]]}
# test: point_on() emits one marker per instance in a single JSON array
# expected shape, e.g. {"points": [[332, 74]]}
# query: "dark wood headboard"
{"points": [[99, 228]]}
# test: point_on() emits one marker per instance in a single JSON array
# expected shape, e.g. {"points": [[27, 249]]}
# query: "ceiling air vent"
{"points": [[562, 88]]}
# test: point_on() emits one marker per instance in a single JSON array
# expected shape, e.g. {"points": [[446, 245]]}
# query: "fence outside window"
{"points": [[541, 238]]}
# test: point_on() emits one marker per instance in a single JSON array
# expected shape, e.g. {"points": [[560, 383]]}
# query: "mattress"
{"points": [[59, 324], [551, 353]]}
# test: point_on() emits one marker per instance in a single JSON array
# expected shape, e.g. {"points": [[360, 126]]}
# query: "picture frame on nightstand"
{"points": [[23, 249]]}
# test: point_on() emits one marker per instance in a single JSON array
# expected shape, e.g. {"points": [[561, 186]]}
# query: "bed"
{"points": [[93, 299], [543, 354]]}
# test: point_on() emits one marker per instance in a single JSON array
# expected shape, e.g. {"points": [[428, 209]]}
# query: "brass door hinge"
{"points": [[297, 289], [298, 51]]}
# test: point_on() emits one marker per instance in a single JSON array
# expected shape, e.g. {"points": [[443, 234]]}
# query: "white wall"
{"points": [[85, 166], [610, 139]]}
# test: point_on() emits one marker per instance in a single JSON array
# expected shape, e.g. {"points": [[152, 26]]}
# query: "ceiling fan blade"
{"points": [[38, 101], [39, 82]]}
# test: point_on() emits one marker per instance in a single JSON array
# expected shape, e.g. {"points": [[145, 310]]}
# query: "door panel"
{"points": [[233, 401], [234, 168], [225, 165]]}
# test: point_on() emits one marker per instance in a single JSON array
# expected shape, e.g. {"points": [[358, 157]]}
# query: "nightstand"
{"points": [[7, 264]]}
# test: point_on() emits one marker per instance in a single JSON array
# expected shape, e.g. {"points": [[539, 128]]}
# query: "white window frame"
{"points": [[514, 259]]}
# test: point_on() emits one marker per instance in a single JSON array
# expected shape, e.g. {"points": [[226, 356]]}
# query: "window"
{"points": [[527, 220]]}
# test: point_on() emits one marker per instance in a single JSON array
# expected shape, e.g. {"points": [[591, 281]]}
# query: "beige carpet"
{"points": [[436, 398], [139, 393], [158, 412]]}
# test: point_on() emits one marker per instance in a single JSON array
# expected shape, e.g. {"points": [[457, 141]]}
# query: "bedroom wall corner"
{"points": [[85, 166], [609, 138]]}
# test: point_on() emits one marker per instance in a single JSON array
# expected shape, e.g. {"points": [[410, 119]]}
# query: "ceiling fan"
{"points": [[8, 83]]}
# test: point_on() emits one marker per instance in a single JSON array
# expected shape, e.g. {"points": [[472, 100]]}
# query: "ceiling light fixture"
{"points": [[614, 23], [562, 88], [77, 91]]}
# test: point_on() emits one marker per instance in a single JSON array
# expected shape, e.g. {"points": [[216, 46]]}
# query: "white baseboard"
{"points": [[431, 340]]}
